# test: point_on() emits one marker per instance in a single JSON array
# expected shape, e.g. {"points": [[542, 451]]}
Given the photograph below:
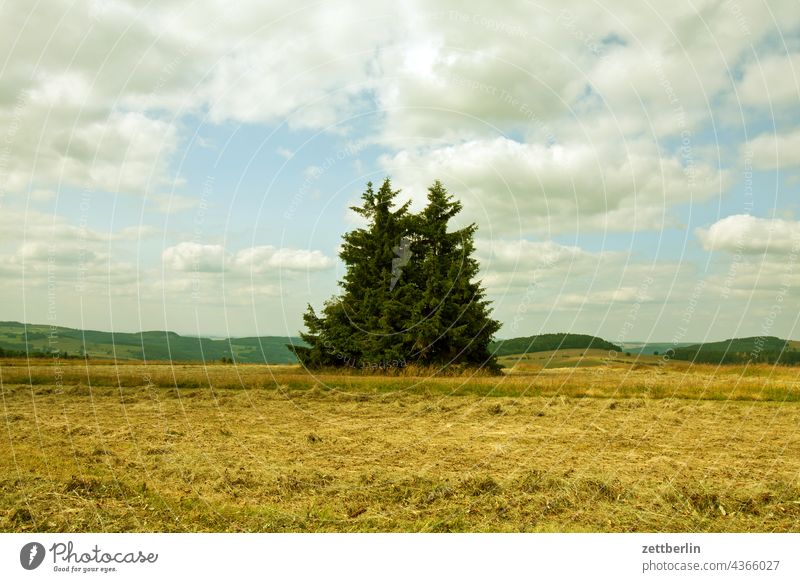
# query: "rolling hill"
{"points": [[767, 349], [167, 345], [549, 342], [653, 348], [40, 340], [150, 345]]}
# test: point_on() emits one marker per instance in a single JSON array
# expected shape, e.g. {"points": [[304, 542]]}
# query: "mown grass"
{"points": [[613, 377], [250, 448]]}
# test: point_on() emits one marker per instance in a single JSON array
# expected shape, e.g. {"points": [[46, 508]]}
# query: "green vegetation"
{"points": [[19, 340], [758, 349], [652, 348], [549, 342], [36, 353], [409, 296]]}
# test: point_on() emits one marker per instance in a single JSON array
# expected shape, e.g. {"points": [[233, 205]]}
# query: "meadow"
{"points": [[562, 441]]}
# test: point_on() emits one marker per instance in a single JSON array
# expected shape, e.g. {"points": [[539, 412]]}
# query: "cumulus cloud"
{"points": [[266, 258], [121, 152], [202, 258], [512, 186], [513, 265], [649, 71], [743, 233], [92, 99], [771, 82], [603, 277], [605, 297], [61, 254], [191, 256], [543, 286], [769, 151], [32, 229]]}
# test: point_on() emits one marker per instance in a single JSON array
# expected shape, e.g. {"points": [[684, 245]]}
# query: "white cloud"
{"points": [[743, 233], [262, 259], [569, 275], [770, 151], [43, 229], [605, 297], [509, 264], [267, 259], [771, 82], [464, 71], [121, 152], [69, 254], [510, 186], [191, 256], [126, 152]]}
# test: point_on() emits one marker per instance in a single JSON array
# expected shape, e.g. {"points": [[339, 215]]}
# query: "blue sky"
{"points": [[190, 166]]}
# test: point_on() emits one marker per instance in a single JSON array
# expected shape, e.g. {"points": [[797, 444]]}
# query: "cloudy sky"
{"points": [[633, 167]]}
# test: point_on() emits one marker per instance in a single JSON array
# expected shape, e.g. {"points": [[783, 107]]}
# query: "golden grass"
{"points": [[617, 447]]}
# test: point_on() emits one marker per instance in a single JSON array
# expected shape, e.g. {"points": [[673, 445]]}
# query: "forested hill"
{"points": [[765, 349], [42, 340], [549, 342]]}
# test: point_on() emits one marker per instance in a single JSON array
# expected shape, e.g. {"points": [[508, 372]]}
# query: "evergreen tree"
{"points": [[409, 294], [454, 318], [365, 326]]}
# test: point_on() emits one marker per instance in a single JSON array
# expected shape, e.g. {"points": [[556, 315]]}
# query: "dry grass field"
{"points": [[590, 445]]}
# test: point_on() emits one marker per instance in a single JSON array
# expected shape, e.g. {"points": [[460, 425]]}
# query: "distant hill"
{"points": [[150, 345], [167, 345], [653, 348], [549, 342], [766, 349]]}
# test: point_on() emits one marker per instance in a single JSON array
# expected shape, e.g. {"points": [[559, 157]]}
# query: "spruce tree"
{"points": [[365, 326], [454, 324]]}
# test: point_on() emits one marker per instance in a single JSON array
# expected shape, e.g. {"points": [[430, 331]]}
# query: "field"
{"points": [[566, 441]]}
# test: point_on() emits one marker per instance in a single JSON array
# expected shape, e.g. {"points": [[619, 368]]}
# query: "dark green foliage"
{"points": [[409, 295], [37, 353], [549, 342], [451, 317], [365, 326]]}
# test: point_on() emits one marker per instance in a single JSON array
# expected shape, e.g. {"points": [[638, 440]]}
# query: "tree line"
{"points": [[37, 353]]}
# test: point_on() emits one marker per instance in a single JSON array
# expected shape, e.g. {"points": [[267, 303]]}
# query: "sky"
{"points": [[633, 167]]}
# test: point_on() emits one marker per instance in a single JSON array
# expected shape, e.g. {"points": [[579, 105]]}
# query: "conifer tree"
{"points": [[365, 326], [454, 326]]}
